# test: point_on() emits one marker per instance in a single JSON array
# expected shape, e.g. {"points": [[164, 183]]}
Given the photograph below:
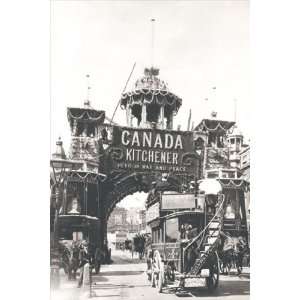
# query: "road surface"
{"points": [[126, 279]]}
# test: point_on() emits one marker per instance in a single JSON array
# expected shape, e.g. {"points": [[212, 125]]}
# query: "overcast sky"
{"points": [[198, 45]]}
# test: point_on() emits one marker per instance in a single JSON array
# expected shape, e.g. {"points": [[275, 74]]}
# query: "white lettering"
{"points": [[135, 139], [175, 158], [168, 141], [138, 153], [144, 153], [156, 156], [128, 154], [169, 157], [123, 137], [163, 157], [178, 143], [147, 139], [151, 155], [158, 141]]}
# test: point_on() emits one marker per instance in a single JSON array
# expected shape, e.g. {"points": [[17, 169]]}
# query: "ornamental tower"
{"points": [[85, 134], [150, 104], [235, 143]]}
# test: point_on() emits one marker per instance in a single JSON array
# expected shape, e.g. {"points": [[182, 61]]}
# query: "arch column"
{"points": [[74, 129], [128, 116], [171, 121], [162, 117], [144, 115]]}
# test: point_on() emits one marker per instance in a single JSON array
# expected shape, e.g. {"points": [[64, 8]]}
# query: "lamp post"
{"points": [[60, 166]]}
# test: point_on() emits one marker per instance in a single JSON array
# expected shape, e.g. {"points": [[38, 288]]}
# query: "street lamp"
{"points": [[60, 166]]}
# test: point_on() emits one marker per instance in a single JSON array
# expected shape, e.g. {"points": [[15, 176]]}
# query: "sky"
{"points": [[198, 45], [137, 200]]}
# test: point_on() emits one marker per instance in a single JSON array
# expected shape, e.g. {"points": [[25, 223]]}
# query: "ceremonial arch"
{"points": [[111, 161], [146, 160]]}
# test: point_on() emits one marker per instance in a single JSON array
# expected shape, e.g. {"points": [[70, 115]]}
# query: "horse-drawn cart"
{"points": [[77, 232], [186, 237]]}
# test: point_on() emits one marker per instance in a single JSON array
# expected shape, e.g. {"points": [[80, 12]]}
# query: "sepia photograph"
{"points": [[150, 149]]}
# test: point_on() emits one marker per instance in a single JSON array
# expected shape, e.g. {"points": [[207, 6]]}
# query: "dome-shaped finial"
{"points": [[214, 114], [87, 103], [59, 142], [60, 152]]}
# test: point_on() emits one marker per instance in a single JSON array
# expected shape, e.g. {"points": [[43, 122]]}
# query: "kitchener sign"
{"points": [[152, 150]]}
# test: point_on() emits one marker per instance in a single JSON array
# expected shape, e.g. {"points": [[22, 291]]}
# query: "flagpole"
{"points": [[152, 41], [189, 120]]}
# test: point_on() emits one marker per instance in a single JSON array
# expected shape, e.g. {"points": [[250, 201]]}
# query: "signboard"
{"points": [[153, 150], [152, 212], [177, 201], [200, 202], [172, 252], [121, 237]]}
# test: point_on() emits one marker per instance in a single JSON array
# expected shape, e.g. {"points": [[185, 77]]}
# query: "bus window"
{"points": [[172, 230]]}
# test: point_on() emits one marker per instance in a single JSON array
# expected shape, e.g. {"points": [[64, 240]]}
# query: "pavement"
{"points": [[125, 278]]}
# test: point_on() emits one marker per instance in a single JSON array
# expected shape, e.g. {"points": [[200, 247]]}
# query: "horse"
{"points": [[138, 245], [128, 245], [231, 253], [70, 259]]}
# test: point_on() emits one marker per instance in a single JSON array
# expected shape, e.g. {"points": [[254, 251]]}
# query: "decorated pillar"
{"points": [[144, 115], [85, 196], [74, 129], [171, 121], [128, 115], [162, 117]]}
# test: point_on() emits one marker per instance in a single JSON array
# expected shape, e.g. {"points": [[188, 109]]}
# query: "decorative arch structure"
{"points": [[129, 183]]}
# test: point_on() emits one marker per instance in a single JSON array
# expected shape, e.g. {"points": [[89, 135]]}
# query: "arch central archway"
{"points": [[130, 183]]}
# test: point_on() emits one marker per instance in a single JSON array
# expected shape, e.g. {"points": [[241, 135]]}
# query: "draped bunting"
{"points": [[235, 183], [149, 96], [90, 114], [214, 125], [84, 176], [148, 92]]}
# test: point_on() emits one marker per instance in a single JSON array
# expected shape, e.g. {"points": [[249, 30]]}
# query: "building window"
{"points": [[156, 235], [172, 230]]}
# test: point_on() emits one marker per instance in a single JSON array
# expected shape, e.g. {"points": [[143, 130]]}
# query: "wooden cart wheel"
{"points": [[149, 269], [153, 279], [159, 282], [213, 280], [158, 272]]}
